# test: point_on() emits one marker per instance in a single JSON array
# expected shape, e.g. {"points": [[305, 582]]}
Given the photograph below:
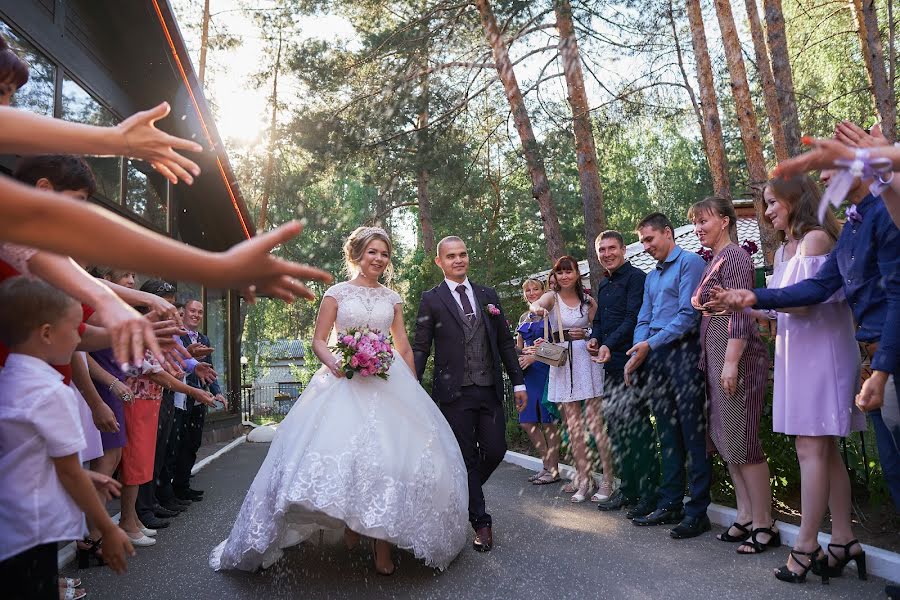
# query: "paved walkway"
{"points": [[545, 547]]}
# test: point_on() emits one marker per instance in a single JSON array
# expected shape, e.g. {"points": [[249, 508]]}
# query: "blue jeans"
{"points": [[887, 435], [673, 385]]}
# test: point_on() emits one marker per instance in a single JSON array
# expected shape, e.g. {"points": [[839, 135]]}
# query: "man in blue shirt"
{"points": [[865, 263], [619, 297], [664, 369]]}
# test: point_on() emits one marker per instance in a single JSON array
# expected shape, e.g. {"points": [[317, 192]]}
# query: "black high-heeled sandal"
{"points": [[815, 564], [838, 569], [85, 555], [727, 537], [754, 546]]}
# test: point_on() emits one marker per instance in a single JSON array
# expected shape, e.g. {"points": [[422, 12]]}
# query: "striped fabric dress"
{"points": [[733, 420]]}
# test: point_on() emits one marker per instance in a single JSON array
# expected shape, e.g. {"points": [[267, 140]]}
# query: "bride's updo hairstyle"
{"points": [[356, 245]]}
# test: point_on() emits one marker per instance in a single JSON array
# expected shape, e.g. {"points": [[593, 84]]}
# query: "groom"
{"points": [[471, 342]]}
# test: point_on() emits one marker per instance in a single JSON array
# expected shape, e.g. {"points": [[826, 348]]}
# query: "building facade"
{"points": [[99, 61]]}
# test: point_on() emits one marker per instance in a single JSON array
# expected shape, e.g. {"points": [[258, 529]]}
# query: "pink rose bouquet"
{"points": [[364, 351]]}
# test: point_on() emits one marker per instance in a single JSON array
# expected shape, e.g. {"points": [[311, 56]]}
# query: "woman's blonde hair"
{"points": [[356, 245], [533, 281]]}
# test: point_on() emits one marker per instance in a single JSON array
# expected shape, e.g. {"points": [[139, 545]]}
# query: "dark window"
{"points": [[145, 194], [79, 106], [37, 95]]}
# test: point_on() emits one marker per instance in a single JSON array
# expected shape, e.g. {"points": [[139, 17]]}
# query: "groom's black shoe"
{"points": [[661, 516], [484, 539], [616, 502], [641, 509], [690, 527]]}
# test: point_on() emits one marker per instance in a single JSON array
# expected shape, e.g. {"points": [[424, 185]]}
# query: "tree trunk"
{"points": [[273, 133], [204, 43], [712, 125], [776, 38], [586, 152], [770, 96], [540, 186], [679, 55], [426, 224], [743, 104], [856, 7], [892, 57], [870, 40]]}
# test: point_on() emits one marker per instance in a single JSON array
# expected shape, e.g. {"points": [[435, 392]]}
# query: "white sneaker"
{"points": [[148, 532], [141, 541]]}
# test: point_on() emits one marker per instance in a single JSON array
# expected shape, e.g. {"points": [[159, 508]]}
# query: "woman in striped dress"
{"points": [[736, 364]]}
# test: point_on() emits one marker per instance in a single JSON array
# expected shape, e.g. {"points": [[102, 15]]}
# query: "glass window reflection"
{"points": [[217, 331], [37, 95], [79, 106], [145, 194]]}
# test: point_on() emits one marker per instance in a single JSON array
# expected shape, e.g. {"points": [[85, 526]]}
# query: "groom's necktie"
{"points": [[464, 298]]}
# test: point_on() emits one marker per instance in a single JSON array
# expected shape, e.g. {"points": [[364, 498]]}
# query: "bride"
{"points": [[371, 456]]}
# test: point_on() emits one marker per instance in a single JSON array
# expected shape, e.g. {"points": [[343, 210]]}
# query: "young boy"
{"points": [[43, 489]]}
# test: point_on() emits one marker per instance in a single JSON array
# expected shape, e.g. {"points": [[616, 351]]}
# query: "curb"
{"points": [[879, 562], [66, 554]]}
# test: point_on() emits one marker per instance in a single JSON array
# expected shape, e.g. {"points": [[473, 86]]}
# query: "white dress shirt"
{"points": [[38, 422], [471, 294]]}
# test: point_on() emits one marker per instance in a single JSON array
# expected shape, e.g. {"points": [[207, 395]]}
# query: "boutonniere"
{"points": [[492, 310]]}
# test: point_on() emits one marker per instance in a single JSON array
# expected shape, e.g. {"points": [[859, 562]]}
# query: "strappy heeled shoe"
{"points": [[754, 546], [604, 491], [837, 569], [744, 529], [92, 552], [583, 492], [535, 476], [818, 565]]}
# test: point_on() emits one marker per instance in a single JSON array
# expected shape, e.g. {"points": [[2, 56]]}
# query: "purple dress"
{"points": [[106, 360], [94, 443], [816, 359]]}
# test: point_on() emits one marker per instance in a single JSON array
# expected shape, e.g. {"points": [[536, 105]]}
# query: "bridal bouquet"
{"points": [[364, 351]]}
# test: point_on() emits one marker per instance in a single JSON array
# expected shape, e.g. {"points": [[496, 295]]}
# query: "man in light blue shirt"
{"points": [[663, 370]]}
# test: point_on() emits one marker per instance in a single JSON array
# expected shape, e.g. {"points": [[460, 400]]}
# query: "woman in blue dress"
{"points": [[537, 422]]}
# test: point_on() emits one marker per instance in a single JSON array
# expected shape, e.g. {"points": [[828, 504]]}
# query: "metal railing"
{"points": [[268, 401]]}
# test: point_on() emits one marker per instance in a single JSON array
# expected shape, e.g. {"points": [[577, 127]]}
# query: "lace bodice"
{"points": [[364, 306], [572, 317]]}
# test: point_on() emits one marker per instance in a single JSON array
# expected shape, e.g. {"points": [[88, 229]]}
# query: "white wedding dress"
{"points": [[373, 455]]}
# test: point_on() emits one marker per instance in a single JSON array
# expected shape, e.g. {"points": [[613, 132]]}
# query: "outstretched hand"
{"points": [[144, 141], [824, 154], [131, 334], [733, 299], [250, 267], [853, 135]]}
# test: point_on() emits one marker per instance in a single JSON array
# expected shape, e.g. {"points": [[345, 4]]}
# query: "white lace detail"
{"points": [[581, 378], [373, 455], [363, 306]]}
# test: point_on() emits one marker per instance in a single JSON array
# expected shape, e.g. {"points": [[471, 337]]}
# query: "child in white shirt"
{"points": [[43, 489]]}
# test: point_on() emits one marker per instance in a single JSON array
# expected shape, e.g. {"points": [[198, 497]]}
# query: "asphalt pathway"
{"points": [[545, 547]]}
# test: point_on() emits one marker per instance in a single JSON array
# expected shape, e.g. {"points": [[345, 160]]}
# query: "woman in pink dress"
{"points": [[816, 377]]}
